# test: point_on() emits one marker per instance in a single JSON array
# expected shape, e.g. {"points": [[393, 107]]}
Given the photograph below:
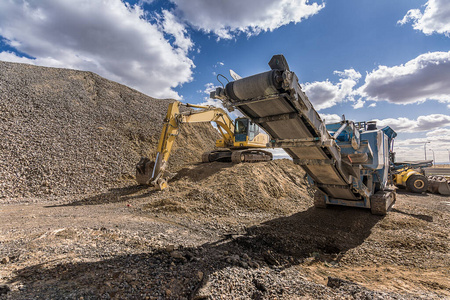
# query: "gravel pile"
{"points": [[227, 189], [67, 132]]}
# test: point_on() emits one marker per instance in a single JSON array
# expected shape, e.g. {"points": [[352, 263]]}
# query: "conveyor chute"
{"points": [[275, 101]]}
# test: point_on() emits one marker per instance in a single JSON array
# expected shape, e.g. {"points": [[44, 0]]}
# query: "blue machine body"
{"points": [[368, 153]]}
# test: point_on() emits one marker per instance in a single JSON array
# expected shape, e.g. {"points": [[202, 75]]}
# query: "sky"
{"points": [[381, 60]]}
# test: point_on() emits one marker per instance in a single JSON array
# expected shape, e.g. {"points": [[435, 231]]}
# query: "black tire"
{"points": [[417, 183]]}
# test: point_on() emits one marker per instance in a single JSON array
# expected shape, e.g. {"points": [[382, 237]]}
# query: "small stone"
{"points": [[5, 260], [235, 257], [200, 275], [334, 282], [189, 255], [4, 289], [204, 292], [176, 254], [170, 248], [259, 285], [269, 258]]}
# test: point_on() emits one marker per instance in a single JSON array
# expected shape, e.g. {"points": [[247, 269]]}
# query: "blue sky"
{"points": [[385, 60]]}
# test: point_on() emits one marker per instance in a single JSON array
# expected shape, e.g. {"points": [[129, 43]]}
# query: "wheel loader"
{"points": [[407, 174], [241, 141], [411, 175]]}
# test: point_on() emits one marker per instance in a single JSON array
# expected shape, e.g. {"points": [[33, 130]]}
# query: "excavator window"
{"points": [[241, 126], [253, 131]]}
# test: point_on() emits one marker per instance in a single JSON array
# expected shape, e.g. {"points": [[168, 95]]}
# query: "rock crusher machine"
{"points": [[346, 162]]}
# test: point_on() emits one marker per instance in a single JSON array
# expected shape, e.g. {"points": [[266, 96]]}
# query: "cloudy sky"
{"points": [[378, 60]]}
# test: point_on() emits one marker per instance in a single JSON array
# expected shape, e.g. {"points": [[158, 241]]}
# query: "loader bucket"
{"points": [[438, 185]]}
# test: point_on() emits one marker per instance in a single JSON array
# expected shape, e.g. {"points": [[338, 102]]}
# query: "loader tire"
{"points": [[417, 183]]}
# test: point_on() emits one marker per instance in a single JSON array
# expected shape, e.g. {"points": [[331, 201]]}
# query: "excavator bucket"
{"points": [[147, 175], [438, 185], [144, 169]]}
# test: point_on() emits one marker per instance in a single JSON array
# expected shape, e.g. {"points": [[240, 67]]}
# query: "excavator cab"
{"points": [[245, 128]]}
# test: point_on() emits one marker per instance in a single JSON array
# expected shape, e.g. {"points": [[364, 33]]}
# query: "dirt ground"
{"points": [[223, 231]]}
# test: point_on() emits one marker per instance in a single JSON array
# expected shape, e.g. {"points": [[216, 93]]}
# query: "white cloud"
{"points": [[435, 18], [251, 17], [373, 105], [426, 77], [209, 87], [324, 94], [399, 124], [330, 118], [411, 152], [171, 26], [414, 149], [437, 141], [439, 132], [359, 104], [422, 123], [110, 38]]}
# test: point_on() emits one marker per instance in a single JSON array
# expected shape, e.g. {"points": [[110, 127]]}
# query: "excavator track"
{"points": [[248, 155], [237, 156], [217, 155], [381, 201]]}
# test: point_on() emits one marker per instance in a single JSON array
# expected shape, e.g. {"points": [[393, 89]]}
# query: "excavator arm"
{"points": [[152, 173]]}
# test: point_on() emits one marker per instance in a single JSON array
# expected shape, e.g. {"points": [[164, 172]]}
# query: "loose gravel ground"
{"points": [[132, 246], [73, 224]]}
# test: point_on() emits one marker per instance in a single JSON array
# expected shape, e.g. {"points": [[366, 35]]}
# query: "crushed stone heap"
{"points": [[67, 132]]}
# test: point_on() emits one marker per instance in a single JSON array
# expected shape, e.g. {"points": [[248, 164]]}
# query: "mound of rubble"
{"points": [[226, 188], [69, 132]]}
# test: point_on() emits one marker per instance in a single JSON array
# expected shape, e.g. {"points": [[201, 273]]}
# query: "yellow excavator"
{"points": [[241, 141]]}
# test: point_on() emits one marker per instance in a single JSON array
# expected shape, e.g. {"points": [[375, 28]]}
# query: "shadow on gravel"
{"points": [[314, 234], [112, 196], [201, 171], [403, 191], [421, 217]]}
